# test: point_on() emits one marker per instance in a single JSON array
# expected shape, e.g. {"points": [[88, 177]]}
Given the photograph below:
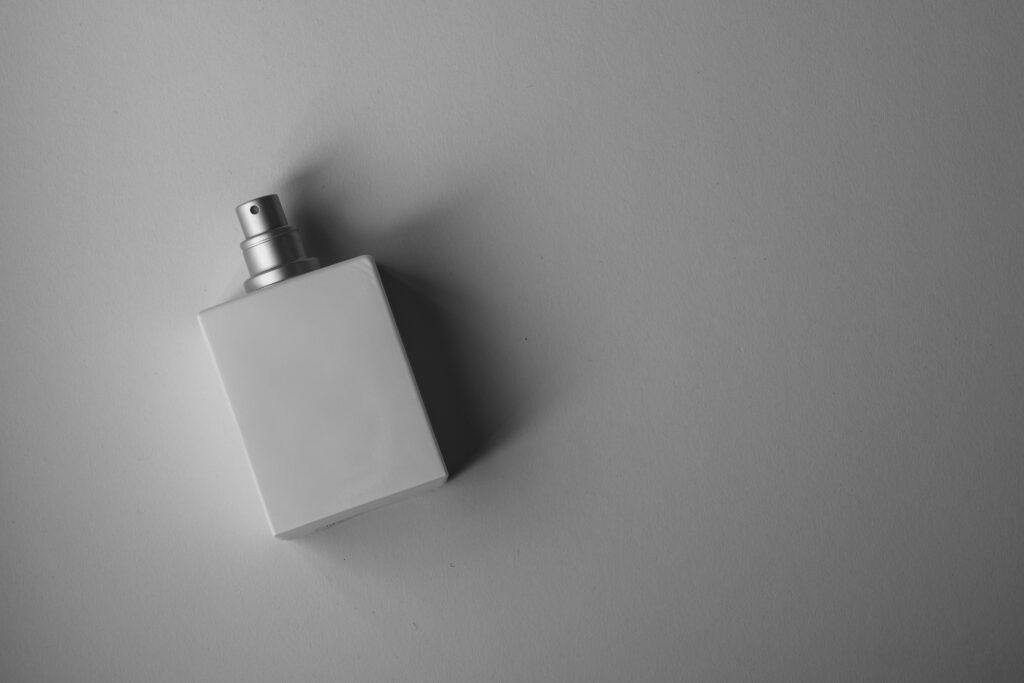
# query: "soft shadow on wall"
{"points": [[471, 405]]}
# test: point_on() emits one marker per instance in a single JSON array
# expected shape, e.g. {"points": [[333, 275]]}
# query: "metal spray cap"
{"points": [[273, 250]]}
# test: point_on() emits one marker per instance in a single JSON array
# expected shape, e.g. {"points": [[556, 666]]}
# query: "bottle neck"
{"points": [[273, 250]]}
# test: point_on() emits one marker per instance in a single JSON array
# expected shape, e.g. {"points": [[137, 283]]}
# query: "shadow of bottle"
{"points": [[427, 334]]}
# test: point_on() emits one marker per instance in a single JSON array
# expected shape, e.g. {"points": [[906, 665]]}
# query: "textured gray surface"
{"points": [[717, 304]]}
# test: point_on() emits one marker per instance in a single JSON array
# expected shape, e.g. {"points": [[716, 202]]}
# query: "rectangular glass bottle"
{"points": [[319, 382]]}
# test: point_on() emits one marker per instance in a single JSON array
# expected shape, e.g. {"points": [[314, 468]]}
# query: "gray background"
{"points": [[716, 305]]}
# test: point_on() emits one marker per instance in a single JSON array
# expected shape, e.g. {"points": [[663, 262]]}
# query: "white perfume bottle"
{"points": [[318, 381]]}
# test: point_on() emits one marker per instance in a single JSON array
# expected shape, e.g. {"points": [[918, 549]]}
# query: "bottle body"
{"points": [[324, 397]]}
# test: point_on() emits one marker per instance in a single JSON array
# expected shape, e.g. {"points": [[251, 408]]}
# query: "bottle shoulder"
{"points": [[344, 273]]}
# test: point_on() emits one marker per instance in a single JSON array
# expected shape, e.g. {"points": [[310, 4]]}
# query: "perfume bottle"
{"points": [[318, 381]]}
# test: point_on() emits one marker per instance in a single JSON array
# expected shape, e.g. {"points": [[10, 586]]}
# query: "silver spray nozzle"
{"points": [[273, 250]]}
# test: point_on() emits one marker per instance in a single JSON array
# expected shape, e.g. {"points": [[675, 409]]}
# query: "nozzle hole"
{"points": [[254, 210]]}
